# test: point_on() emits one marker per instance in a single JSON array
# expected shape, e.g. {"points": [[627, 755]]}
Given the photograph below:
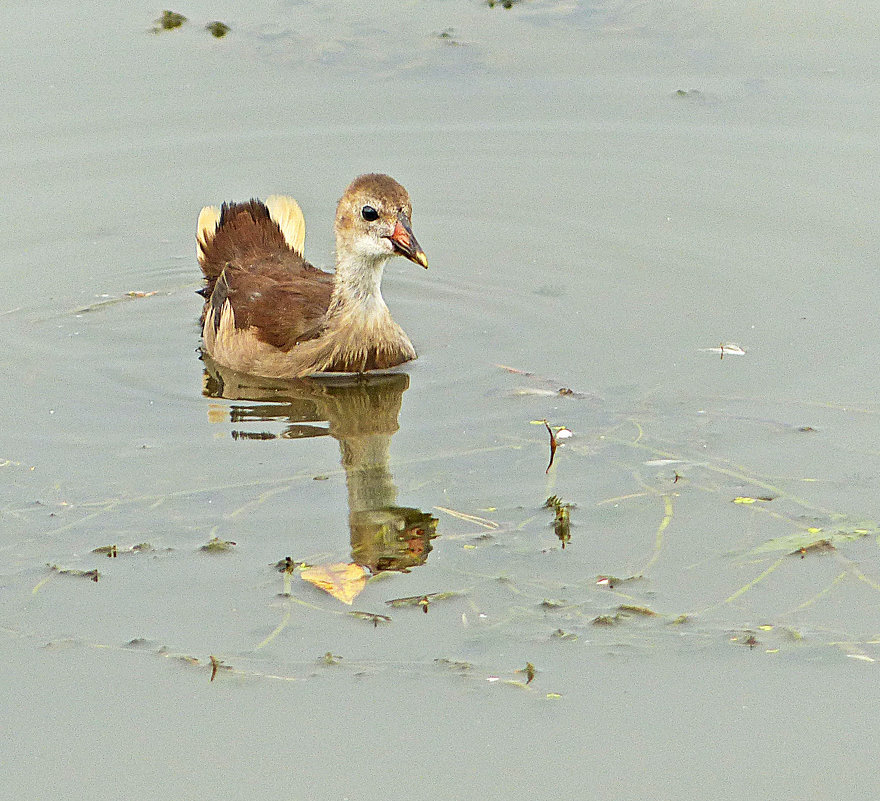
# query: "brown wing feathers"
{"points": [[245, 232], [271, 289]]}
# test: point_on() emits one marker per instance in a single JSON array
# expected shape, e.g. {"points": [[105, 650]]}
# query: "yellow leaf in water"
{"points": [[742, 499], [343, 581]]}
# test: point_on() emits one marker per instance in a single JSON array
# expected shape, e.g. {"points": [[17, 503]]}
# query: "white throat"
{"points": [[358, 287]]}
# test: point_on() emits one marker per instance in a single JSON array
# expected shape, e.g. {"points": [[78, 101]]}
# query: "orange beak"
{"points": [[405, 243]]}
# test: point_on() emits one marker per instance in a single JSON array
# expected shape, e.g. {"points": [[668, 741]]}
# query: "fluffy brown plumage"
{"points": [[269, 312]]}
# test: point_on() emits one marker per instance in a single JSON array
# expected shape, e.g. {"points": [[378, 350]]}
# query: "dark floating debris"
{"points": [[623, 613], [372, 617], [447, 36], [553, 446], [216, 545], [612, 581], [169, 21], [749, 639], [94, 575], [216, 665], [112, 551], [288, 565], [562, 519], [452, 664], [502, 3], [529, 670], [421, 600], [217, 29], [819, 546]]}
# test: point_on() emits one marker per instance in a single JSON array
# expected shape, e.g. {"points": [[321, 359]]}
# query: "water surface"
{"points": [[606, 192]]}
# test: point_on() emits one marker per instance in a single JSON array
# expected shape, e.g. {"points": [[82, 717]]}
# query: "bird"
{"points": [[270, 313]]}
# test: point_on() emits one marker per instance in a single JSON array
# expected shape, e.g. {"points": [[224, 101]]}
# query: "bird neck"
{"points": [[358, 287]]}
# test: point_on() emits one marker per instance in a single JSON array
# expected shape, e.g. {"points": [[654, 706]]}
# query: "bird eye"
{"points": [[369, 213]]}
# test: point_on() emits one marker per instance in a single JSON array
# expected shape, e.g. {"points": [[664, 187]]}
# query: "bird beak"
{"points": [[405, 243]]}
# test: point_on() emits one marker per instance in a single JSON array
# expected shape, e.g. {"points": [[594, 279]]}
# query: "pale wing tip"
{"points": [[209, 219], [288, 216]]}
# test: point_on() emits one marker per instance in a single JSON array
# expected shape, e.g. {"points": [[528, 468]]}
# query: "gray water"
{"points": [[606, 193]]}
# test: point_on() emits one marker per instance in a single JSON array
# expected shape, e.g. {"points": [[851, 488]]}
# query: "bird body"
{"points": [[268, 312]]}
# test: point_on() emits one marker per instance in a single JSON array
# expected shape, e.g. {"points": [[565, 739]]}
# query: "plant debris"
{"points": [[612, 581], [216, 545], [288, 565], [562, 519], [632, 609], [819, 546], [421, 600], [216, 665], [529, 670], [94, 575], [169, 21], [447, 36], [374, 618], [553, 445], [217, 29], [453, 665], [112, 551], [725, 349]]}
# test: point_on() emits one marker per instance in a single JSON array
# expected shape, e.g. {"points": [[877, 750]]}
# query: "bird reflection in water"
{"points": [[362, 415]]}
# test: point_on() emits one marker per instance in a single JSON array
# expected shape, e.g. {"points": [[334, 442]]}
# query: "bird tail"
{"points": [[237, 233]]}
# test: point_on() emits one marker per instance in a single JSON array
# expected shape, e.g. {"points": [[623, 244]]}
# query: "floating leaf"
{"points": [[344, 581]]}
